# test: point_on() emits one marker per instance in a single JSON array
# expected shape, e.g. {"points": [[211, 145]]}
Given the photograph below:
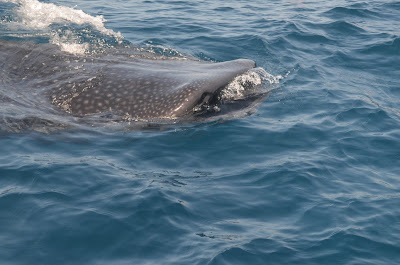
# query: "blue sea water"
{"points": [[312, 177]]}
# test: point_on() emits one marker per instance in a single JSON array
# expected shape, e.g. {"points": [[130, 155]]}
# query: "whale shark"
{"points": [[128, 81]]}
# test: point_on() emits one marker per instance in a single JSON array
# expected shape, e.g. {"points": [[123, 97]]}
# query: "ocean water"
{"points": [[309, 176]]}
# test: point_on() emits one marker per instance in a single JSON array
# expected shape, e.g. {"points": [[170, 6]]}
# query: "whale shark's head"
{"points": [[200, 95]]}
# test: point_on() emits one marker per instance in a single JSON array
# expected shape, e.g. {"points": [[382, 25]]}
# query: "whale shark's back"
{"points": [[149, 89]]}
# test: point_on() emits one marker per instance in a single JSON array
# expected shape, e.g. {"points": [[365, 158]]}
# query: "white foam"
{"points": [[242, 84], [69, 43], [34, 15], [37, 15]]}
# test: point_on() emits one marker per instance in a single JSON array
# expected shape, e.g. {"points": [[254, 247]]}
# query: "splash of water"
{"points": [[245, 84], [38, 16]]}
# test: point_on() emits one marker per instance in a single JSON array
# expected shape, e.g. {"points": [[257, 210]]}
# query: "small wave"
{"points": [[340, 12], [337, 28], [310, 38], [388, 48], [392, 5], [224, 9]]}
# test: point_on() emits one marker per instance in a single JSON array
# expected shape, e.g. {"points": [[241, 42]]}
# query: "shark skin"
{"points": [[142, 85]]}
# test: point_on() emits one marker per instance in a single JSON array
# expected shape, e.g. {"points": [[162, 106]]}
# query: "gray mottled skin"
{"points": [[142, 85]]}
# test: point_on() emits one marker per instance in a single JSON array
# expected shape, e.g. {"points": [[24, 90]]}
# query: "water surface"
{"points": [[312, 177]]}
